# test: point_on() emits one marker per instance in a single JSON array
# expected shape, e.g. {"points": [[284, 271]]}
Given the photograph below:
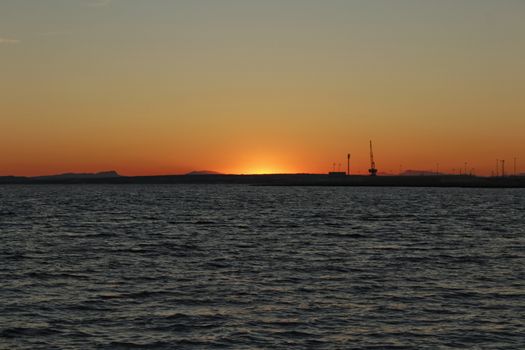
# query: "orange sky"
{"points": [[162, 87]]}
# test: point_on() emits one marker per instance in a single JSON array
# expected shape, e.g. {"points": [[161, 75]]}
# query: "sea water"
{"points": [[245, 267]]}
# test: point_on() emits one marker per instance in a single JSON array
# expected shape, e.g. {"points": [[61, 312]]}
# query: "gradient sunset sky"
{"points": [[242, 86]]}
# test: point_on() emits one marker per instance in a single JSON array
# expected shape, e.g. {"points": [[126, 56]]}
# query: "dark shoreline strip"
{"points": [[290, 180]]}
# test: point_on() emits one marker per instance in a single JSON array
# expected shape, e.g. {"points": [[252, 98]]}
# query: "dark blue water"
{"points": [[182, 267]]}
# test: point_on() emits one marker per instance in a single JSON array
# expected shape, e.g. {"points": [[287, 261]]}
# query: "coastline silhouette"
{"points": [[408, 179]]}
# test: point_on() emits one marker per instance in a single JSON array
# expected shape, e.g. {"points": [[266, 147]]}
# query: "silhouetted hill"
{"points": [[203, 172], [100, 175], [12, 179]]}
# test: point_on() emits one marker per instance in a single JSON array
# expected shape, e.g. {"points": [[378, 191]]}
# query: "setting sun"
{"points": [[262, 171]]}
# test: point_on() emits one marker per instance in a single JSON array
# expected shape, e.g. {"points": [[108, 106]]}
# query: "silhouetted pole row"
{"points": [[462, 170], [500, 167]]}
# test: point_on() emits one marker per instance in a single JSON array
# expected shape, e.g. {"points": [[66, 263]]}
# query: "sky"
{"points": [[246, 86]]}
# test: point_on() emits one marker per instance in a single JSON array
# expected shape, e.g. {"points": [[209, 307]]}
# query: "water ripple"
{"points": [[183, 266]]}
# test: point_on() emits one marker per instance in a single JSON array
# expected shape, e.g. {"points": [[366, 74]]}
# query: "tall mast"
{"points": [[372, 170]]}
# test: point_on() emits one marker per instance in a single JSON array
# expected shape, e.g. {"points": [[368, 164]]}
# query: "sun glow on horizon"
{"points": [[263, 171], [259, 170], [261, 160]]}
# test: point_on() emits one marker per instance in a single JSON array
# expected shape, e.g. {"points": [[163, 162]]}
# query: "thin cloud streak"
{"points": [[7, 41]]}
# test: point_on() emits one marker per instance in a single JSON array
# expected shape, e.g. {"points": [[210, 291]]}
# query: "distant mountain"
{"points": [[101, 175], [203, 172], [11, 177], [419, 173]]}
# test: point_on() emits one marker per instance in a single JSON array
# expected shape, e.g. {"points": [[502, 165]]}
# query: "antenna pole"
{"points": [[372, 170]]}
